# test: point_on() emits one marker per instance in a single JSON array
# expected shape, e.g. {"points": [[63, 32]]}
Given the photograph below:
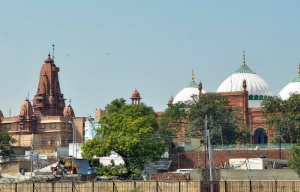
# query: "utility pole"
{"points": [[31, 156], [210, 157], [205, 144], [221, 135], [73, 136], [280, 142]]}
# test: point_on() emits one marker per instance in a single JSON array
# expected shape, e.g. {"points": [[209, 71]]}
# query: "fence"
{"points": [[239, 147], [154, 186]]}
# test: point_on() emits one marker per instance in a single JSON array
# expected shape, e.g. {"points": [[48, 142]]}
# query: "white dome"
{"points": [[186, 93], [257, 88], [292, 87]]}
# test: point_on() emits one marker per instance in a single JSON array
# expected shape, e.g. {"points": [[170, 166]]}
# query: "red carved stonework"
{"points": [[48, 100]]}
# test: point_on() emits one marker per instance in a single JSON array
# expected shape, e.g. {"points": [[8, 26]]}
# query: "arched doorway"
{"points": [[260, 136]]}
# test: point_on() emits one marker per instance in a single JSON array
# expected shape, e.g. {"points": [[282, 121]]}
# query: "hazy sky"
{"points": [[152, 46]]}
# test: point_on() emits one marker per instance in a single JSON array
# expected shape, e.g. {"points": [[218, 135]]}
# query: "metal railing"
{"points": [[240, 147]]}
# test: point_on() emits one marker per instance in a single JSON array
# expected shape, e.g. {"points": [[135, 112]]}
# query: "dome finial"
{"points": [[192, 75], [244, 57], [299, 69]]}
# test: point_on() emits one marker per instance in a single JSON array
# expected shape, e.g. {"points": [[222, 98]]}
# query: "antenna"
{"points": [[9, 112], [53, 53]]}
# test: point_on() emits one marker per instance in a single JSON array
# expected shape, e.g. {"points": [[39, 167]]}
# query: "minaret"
{"points": [[200, 89], [48, 100], [170, 102]]}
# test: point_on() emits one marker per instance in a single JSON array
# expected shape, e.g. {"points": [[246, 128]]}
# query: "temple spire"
{"points": [[244, 57], [192, 75]]}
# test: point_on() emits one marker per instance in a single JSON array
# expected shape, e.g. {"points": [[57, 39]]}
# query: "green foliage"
{"points": [[191, 116], [174, 116], [114, 170], [171, 121], [5, 141], [283, 116], [294, 159], [130, 134], [220, 117], [115, 106]]}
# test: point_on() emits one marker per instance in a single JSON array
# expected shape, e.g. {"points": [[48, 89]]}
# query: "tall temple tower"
{"points": [[48, 100]]}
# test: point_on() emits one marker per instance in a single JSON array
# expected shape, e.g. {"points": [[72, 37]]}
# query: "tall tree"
{"points": [[294, 159], [282, 118], [222, 120], [5, 142], [130, 134], [115, 106]]}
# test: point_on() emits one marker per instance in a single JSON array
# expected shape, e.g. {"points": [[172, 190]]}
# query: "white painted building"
{"points": [[90, 128]]}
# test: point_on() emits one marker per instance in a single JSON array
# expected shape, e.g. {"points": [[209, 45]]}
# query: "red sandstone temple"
{"points": [[47, 120]]}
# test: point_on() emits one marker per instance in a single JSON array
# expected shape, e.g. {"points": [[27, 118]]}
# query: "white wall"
{"points": [[77, 150]]}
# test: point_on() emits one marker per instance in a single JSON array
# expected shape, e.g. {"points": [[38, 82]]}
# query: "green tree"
{"points": [[171, 122], [221, 119], [130, 134], [174, 116], [294, 159], [5, 142], [282, 116], [115, 106]]}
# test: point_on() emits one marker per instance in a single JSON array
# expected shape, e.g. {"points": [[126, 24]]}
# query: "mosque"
{"points": [[245, 90], [46, 120]]}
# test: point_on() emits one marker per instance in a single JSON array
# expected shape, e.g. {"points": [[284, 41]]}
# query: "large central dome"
{"points": [[257, 88], [186, 93]]}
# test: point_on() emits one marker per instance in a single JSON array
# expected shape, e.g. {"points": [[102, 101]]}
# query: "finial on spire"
{"points": [[53, 52], [299, 69], [244, 57], [192, 75], [70, 102]]}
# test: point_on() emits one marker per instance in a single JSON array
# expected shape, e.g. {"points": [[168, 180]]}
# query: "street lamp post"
{"points": [[74, 134]]}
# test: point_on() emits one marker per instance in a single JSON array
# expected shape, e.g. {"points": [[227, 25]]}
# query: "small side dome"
{"points": [[26, 109], [190, 90], [49, 60], [292, 87], [170, 102], [1, 115], [135, 94], [69, 112]]}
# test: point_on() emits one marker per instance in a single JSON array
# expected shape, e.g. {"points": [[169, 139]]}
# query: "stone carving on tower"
{"points": [[49, 101]]}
